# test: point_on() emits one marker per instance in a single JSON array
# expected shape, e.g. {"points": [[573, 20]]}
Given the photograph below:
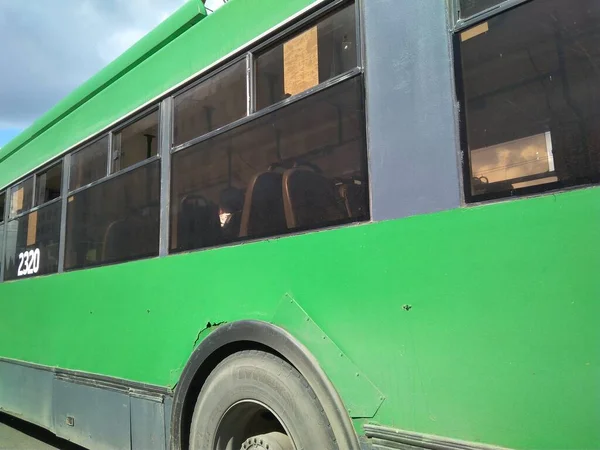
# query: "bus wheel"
{"points": [[254, 400]]}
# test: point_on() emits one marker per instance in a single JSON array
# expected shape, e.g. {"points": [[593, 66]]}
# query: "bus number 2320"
{"points": [[29, 262]]}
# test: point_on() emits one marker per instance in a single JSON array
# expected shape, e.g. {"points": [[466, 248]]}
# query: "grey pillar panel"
{"points": [[411, 115], [147, 424], [101, 417], [27, 393], [168, 412]]}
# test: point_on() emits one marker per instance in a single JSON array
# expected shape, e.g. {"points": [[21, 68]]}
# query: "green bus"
{"points": [[315, 224]]}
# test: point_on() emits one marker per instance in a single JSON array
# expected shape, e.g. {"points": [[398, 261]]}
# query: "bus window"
{"points": [[114, 221], [469, 8], [300, 167], [32, 242], [2, 205], [89, 164], [136, 142], [211, 104], [531, 98], [48, 184], [21, 197], [311, 57]]}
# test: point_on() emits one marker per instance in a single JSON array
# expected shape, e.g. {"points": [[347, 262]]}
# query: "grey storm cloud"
{"points": [[48, 48]]}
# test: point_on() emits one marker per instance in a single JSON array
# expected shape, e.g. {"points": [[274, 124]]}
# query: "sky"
{"points": [[51, 47]]}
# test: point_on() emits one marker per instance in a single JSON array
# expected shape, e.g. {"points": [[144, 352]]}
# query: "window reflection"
{"points": [[2, 206], [511, 165], [300, 167], [532, 92], [136, 142], [220, 100], [116, 220], [48, 184], [89, 164], [21, 197], [322, 52], [469, 8]]}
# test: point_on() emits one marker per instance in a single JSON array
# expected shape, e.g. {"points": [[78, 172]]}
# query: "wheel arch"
{"points": [[252, 334]]}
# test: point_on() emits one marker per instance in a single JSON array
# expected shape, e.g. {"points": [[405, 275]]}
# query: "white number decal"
{"points": [[20, 271], [36, 264], [29, 262]]}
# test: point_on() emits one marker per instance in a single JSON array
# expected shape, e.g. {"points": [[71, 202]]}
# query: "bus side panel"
{"points": [[477, 324]]}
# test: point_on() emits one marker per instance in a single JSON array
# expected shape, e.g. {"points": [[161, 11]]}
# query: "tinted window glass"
{"points": [[309, 58], [532, 97], [32, 243], [135, 143], [2, 206], [48, 184], [300, 167], [472, 7], [21, 197], [89, 164], [1, 245], [212, 104], [117, 220]]}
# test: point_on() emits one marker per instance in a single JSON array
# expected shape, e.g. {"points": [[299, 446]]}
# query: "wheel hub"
{"points": [[269, 441]]}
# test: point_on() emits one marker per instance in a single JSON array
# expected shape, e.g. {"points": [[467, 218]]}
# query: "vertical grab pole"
{"points": [[164, 151]]}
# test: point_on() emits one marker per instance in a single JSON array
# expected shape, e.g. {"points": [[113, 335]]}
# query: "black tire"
{"points": [[257, 383]]}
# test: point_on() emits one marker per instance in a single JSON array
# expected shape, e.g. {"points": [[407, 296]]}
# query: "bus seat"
{"points": [[263, 212], [129, 237], [353, 195], [310, 199], [198, 225], [116, 238]]}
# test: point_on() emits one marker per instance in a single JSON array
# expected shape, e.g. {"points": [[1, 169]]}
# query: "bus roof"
{"points": [[180, 47]]}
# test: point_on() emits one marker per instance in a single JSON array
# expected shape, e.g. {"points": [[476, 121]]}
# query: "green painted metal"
{"points": [[363, 399], [500, 344]]}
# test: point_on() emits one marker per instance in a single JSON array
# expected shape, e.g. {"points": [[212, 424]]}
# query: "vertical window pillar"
{"points": [[250, 84], [164, 151], [64, 191], [4, 234]]}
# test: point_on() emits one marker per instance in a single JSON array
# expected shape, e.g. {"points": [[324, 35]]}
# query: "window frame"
{"points": [[270, 110], [469, 199], [8, 219], [112, 176], [155, 108], [3, 222], [460, 24], [46, 168], [207, 77], [251, 55], [5, 210], [9, 192], [81, 148]]}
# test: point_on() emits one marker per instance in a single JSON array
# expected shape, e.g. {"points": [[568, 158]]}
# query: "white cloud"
{"points": [[52, 47]]}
